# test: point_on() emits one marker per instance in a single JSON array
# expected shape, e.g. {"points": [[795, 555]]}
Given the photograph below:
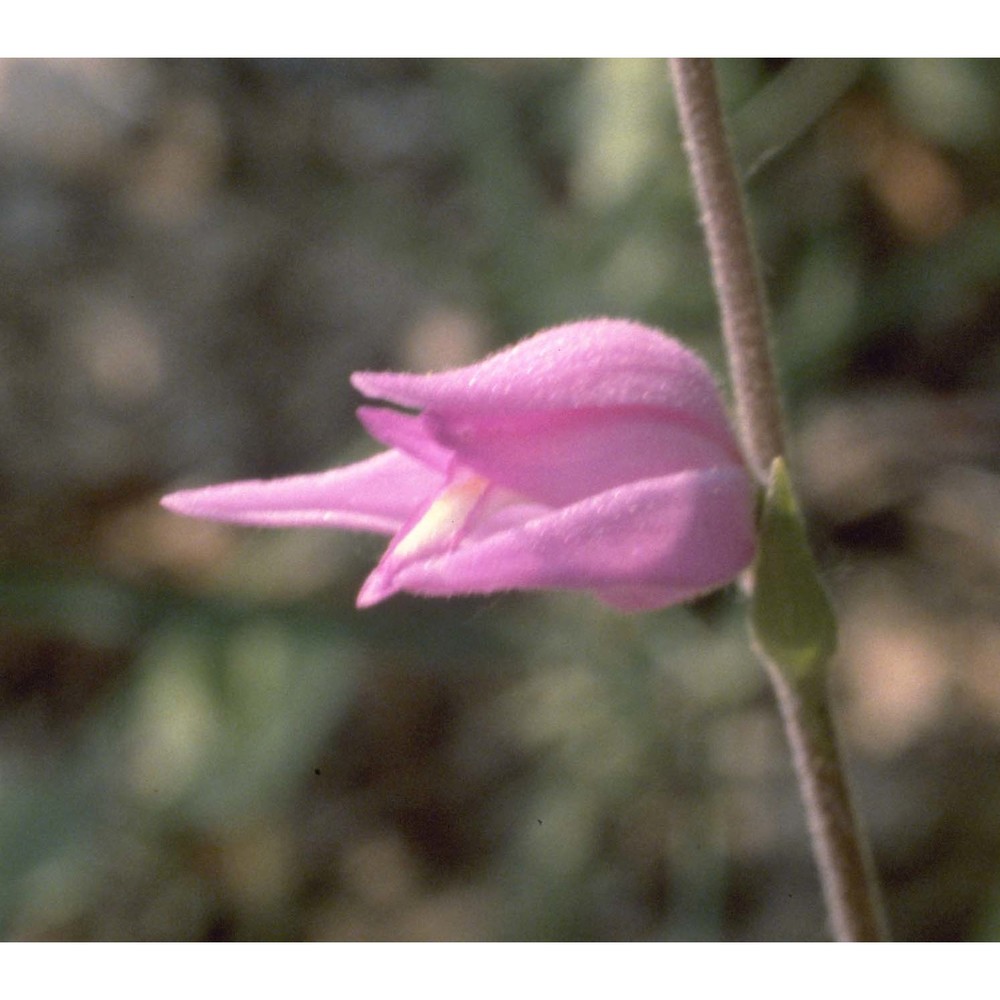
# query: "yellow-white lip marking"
{"points": [[444, 519]]}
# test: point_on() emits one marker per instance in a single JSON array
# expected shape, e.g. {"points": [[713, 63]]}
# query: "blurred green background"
{"points": [[202, 739]]}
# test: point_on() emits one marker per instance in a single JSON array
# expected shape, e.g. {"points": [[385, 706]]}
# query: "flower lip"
{"points": [[647, 544]]}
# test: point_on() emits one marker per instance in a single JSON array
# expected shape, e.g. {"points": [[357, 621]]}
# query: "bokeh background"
{"points": [[202, 739]]}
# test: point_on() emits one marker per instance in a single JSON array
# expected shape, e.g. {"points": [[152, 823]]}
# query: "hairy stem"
{"points": [[841, 853], [734, 262]]}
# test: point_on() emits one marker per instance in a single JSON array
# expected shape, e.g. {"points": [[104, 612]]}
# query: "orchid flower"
{"points": [[593, 456]]}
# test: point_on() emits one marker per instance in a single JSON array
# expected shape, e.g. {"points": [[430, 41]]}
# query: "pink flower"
{"points": [[593, 456]]}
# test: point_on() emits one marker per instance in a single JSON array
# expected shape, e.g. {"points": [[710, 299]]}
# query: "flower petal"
{"points": [[405, 432], [648, 544], [558, 457], [377, 494], [600, 362]]}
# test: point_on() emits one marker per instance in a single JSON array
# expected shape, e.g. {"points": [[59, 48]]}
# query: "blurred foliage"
{"points": [[201, 739]]}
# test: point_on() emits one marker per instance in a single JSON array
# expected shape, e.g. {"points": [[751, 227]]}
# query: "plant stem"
{"points": [[841, 853], [734, 263]]}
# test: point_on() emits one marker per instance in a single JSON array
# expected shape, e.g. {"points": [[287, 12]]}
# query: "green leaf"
{"points": [[791, 615]]}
